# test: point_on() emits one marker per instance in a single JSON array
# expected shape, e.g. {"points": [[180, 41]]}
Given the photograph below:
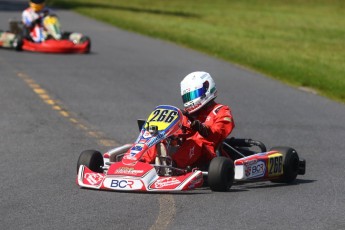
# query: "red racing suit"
{"points": [[197, 150]]}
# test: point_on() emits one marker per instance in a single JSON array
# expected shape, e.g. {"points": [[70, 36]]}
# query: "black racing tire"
{"points": [[18, 43], [86, 39], [65, 35], [91, 159], [221, 174], [290, 164]]}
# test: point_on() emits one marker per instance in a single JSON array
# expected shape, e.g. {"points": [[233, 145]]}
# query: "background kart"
{"points": [[121, 168], [55, 42]]}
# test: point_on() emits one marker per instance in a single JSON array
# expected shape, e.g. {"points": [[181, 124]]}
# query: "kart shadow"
{"points": [[191, 192], [205, 190], [267, 184], [247, 186], [55, 54]]}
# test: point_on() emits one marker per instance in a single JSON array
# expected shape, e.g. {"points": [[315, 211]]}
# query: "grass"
{"points": [[300, 42]]}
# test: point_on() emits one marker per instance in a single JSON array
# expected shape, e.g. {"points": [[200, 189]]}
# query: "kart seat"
{"points": [[16, 27]]}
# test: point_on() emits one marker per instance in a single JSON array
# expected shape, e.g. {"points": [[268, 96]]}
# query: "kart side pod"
{"points": [[280, 164]]}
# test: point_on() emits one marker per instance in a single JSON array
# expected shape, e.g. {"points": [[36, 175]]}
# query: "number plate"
{"points": [[162, 117], [275, 165]]}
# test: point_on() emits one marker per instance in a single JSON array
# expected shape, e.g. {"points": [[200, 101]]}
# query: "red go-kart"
{"points": [[54, 41], [121, 169]]}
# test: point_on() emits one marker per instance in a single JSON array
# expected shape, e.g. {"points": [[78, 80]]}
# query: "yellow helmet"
{"points": [[37, 5]]}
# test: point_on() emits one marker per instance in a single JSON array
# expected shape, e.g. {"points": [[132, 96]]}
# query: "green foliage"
{"points": [[301, 42]]}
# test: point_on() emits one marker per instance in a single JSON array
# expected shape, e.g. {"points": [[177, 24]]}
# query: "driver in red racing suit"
{"points": [[210, 123]]}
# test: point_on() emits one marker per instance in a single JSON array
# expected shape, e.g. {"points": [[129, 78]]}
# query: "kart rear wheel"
{"points": [[290, 165], [86, 39], [221, 174], [65, 35], [18, 43], [91, 159]]}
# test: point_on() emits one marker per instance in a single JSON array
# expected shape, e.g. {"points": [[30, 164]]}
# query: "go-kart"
{"points": [[55, 41], [121, 168]]}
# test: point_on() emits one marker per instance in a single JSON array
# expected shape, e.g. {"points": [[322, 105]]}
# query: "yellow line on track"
{"points": [[57, 106], [167, 210], [167, 207]]}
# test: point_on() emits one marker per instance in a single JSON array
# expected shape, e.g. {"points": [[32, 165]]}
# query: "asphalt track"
{"points": [[54, 106]]}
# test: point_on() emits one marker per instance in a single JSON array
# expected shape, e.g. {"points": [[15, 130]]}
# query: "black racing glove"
{"points": [[37, 21], [200, 128], [185, 113]]}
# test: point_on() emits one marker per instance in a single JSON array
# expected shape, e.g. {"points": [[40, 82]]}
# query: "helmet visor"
{"points": [[193, 95]]}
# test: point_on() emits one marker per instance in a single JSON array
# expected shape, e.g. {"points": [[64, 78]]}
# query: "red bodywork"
{"points": [[138, 177], [56, 46]]}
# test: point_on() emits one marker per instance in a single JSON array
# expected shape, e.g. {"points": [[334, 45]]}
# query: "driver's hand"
{"points": [[200, 128], [37, 21], [174, 141], [185, 113]]}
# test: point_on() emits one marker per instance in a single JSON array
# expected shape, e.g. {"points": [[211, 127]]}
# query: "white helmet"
{"points": [[197, 89]]}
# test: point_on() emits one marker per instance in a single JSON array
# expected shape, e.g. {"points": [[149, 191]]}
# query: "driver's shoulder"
{"points": [[220, 108]]}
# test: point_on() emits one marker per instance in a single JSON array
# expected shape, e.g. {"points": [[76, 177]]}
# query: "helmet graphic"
{"points": [[197, 89], [37, 5]]}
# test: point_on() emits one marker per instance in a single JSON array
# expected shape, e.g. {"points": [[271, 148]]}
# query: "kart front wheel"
{"points": [[91, 159], [290, 164], [221, 174]]}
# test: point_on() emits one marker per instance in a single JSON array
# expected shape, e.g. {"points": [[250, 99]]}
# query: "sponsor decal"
{"points": [[122, 183], [195, 182], [186, 91], [147, 134], [204, 76], [156, 139], [255, 169], [247, 171], [129, 157], [133, 153], [165, 182], [136, 149], [93, 178], [193, 105], [128, 170], [250, 162]]}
